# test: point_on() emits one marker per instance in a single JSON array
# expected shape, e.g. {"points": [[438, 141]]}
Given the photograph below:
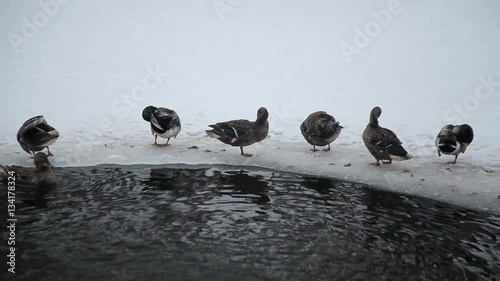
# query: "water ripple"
{"points": [[223, 223]]}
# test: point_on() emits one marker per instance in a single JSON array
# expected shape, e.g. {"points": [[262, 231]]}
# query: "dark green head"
{"points": [[146, 113]]}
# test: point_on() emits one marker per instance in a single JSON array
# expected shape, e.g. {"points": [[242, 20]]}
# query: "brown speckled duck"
{"points": [[454, 139], [382, 143], [36, 134], [41, 175], [242, 132], [320, 128]]}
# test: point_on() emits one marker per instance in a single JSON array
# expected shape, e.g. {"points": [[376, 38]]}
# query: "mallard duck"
{"points": [[41, 175], [454, 139], [320, 128], [36, 134], [382, 143], [242, 132], [164, 123]]}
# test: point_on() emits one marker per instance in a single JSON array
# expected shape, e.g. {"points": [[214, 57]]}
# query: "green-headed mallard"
{"points": [[36, 134], [41, 175], [382, 143], [454, 139], [164, 122], [320, 128], [242, 132]]}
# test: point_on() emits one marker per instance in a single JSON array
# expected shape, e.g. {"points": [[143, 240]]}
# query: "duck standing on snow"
{"points": [[36, 134], [382, 143], [320, 129], [164, 122], [242, 132], [454, 139], [41, 175]]}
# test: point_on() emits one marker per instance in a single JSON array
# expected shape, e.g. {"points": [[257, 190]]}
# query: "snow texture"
{"points": [[91, 67]]}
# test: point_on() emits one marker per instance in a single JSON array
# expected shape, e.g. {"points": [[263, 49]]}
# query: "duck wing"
{"points": [[163, 119], [386, 140], [36, 133], [320, 124], [235, 132]]}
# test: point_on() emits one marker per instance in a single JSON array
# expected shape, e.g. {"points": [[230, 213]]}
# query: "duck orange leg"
{"points": [[156, 136], [167, 144], [245, 154], [48, 152], [454, 161], [327, 149], [313, 149], [375, 163]]}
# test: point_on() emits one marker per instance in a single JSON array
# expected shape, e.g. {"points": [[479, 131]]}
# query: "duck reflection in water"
{"points": [[241, 183]]}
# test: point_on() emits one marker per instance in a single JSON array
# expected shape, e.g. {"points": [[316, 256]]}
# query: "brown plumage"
{"points": [[242, 132], [382, 143], [320, 128], [36, 134], [41, 175]]}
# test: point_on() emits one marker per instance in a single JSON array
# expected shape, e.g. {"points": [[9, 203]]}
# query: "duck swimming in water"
{"points": [[41, 175]]}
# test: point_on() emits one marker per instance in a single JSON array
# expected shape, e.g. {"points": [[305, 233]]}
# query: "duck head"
{"points": [[41, 161], [262, 115], [146, 113], [374, 115]]}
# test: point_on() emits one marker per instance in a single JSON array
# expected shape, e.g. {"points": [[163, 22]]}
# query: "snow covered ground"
{"points": [[90, 68]]}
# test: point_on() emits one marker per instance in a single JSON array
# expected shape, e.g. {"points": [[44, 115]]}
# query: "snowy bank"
{"points": [[91, 68]]}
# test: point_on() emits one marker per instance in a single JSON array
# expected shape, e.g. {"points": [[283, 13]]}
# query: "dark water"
{"points": [[123, 223]]}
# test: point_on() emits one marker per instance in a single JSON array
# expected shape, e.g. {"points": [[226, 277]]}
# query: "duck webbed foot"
{"points": [[314, 149], [375, 163], [164, 145], [454, 161], [244, 154], [327, 149]]}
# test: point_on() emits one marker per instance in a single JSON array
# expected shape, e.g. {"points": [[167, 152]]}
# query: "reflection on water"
{"points": [[121, 223]]}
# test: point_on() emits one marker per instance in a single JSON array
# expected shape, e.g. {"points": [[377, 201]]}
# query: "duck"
{"points": [[242, 132], [164, 123], [454, 139], [36, 134], [382, 143], [41, 175], [320, 129]]}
